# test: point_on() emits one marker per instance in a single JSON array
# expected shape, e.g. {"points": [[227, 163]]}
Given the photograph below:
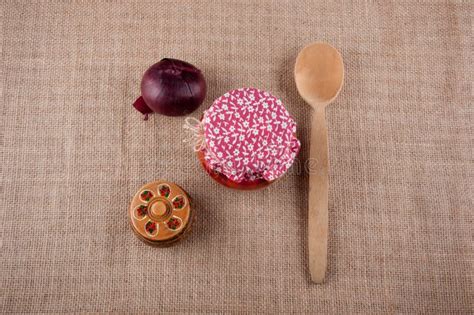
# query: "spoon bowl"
{"points": [[319, 74]]}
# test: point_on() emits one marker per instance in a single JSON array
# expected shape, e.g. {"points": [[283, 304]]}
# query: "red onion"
{"points": [[171, 87]]}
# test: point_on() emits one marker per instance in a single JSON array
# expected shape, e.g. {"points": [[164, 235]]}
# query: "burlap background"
{"points": [[74, 151]]}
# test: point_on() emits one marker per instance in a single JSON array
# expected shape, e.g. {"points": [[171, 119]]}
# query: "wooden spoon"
{"points": [[319, 73]]}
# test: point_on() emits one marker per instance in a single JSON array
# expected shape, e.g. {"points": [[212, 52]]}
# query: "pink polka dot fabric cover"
{"points": [[249, 134]]}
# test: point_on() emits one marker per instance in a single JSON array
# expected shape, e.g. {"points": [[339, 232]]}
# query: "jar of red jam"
{"points": [[248, 139], [160, 213]]}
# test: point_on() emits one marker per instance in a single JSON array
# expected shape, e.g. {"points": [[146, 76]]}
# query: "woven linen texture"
{"points": [[74, 152]]}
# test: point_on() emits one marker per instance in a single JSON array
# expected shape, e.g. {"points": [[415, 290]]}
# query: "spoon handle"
{"points": [[318, 165]]}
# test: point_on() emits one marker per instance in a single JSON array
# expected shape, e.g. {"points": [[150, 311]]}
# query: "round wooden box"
{"points": [[161, 213]]}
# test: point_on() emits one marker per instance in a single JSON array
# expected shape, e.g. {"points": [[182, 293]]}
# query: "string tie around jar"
{"points": [[196, 130]]}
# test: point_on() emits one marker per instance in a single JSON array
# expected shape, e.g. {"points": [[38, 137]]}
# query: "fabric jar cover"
{"points": [[249, 134]]}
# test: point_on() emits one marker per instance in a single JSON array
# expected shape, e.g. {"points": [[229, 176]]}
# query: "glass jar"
{"points": [[249, 139]]}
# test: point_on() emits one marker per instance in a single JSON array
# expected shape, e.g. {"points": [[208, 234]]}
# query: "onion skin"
{"points": [[171, 87], [141, 106]]}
